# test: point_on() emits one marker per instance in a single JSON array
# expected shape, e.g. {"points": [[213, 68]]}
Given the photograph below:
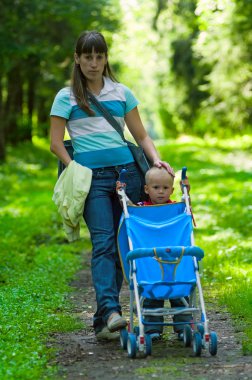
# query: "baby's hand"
{"points": [[186, 183], [120, 185]]}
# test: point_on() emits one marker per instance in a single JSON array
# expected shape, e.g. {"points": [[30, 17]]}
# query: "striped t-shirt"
{"points": [[96, 143]]}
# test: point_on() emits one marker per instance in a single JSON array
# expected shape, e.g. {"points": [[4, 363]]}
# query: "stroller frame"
{"points": [[196, 332]]}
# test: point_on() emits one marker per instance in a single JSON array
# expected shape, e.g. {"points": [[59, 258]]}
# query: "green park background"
{"points": [[189, 62]]}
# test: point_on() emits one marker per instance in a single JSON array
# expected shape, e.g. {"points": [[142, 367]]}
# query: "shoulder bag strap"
{"points": [[107, 115]]}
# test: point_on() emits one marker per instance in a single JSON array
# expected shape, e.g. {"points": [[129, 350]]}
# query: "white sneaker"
{"points": [[105, 334], [116, 322]]}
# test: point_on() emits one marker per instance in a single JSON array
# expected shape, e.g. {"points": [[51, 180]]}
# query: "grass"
{"points": [[164, 369], [220, 173], [37, 263]]}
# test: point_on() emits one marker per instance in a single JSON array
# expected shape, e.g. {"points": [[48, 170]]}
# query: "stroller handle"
{"points": [[183, 174], [122, 175]]}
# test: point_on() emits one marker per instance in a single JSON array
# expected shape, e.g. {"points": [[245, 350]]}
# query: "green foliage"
{"points": [[36, 265], [181, 74], [205, 66], [220, 176], [134, 57], [225, 43]]}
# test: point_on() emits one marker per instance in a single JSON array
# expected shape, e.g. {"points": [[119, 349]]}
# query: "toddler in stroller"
{"points": [[159, 185], [160, 263]]}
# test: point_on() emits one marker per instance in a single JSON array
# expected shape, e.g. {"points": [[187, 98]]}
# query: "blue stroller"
{"points": [[160, 262]]}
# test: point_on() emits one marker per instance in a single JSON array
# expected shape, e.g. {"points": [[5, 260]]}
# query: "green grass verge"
{"points": [[163, 369], [36, 265], [220, 173]]}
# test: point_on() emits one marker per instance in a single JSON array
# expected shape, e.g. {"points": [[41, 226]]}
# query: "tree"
{"points": [[182, 75], [225, 42], [205, 76], [36, 47]]}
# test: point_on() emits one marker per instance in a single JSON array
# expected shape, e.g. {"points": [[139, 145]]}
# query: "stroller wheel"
{"points": [[197, 344], [213, 343], [148, 344], [123, 338], [187, 336], [131, 346]]}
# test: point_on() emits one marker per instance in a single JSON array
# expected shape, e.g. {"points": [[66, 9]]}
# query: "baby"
{"points": [[159, 187]]}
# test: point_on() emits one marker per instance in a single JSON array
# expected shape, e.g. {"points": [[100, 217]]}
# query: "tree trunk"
{"points": [[31, 75], [27, 135], [43, 118], [13, 105], [2, 140]]}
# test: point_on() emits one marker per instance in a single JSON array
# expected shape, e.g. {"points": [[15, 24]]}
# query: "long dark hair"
{"points": [[86, 42]]}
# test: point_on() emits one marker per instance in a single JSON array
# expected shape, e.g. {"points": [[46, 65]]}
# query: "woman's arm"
{"points": [[57, 132], [136, 128]]}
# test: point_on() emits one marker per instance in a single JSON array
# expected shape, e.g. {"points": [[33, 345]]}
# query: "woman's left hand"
{"points": [[159, 164]]}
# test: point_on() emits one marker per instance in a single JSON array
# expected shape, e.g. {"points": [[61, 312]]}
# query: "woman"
{"points": [[98, 146]]}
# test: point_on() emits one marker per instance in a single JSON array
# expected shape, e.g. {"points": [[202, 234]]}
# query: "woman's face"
{"points": [[92, 65]]}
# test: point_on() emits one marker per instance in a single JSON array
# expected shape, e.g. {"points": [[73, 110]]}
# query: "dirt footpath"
{"points": [[81, 357]]}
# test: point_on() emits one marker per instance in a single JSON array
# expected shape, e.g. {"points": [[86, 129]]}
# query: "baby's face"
{"points": [[159, 188]]}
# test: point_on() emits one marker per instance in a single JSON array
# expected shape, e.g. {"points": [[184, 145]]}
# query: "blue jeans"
{"points": [[102, 214]]}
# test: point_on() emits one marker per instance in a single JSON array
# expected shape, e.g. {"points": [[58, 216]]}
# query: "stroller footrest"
{"points": [[170, 311]]}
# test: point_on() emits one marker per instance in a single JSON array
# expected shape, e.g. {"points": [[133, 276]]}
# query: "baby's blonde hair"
{"points": [[158, 171]]}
